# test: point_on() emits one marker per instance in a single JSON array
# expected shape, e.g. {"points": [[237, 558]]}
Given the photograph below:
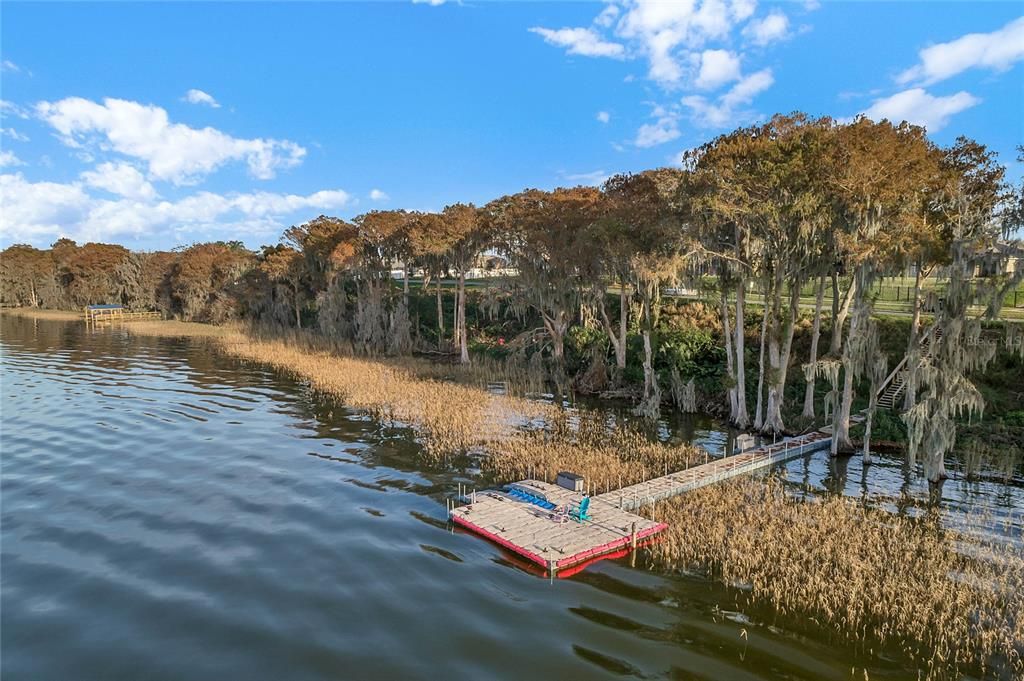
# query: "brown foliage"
{"points": [[950, 600]]}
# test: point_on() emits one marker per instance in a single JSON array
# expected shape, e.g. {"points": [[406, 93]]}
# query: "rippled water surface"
{"points": [[168, 513]]}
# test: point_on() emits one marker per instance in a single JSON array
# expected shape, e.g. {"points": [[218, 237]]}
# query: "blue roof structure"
{"points": [[105, 307]]}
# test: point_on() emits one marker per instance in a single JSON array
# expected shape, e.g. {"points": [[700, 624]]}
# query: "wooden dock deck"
{"points": [[555, 543], [121, 316], [535, 534]]}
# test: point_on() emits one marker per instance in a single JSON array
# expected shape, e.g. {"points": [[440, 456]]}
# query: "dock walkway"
{"points": [[634, 496]]}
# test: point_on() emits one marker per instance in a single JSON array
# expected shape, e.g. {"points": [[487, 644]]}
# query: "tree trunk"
{"points": [[840, 312], [456, 330], [759, 412], [866, 449], [618, 339], [556, 327], [620, 351], [727, 334], [742, 419], [780, 342], [815, 335], [835, 302], [463, 333], [772, 416], [913, 345], [841, 433], [648, 364], [298, 312], [440, 317], [790, 330], [405, 285]]}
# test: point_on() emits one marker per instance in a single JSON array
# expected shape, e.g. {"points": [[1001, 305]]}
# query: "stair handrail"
{"points": [[903, 362]]}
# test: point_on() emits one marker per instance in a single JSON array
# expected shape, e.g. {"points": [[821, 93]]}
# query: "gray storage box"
{"points": [[570, 481]]}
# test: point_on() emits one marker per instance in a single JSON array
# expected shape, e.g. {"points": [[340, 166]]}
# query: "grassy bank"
{"points": [[949, 601]]}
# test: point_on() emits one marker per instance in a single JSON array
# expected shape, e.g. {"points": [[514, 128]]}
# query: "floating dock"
{"points": [[545, 537], [555, 541]]}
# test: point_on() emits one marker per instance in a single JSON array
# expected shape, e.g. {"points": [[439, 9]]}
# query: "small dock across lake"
{"points": [[110, 314]]}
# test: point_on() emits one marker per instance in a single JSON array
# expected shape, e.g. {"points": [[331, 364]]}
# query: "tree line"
{"points": [[792, 202]]}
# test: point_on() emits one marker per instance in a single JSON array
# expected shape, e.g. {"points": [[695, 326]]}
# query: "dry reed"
{"points": [[515, 437], [176, 329], [951, 600], [607, 455], [37, 313]]}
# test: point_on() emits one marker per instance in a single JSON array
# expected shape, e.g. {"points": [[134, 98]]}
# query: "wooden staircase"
{"points": [[895, 382]]}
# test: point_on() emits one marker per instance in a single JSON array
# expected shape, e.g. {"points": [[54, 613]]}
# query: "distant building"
{"points": [[1001, 258]]}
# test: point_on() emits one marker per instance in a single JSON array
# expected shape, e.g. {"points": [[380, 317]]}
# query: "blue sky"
{"points": [[161, 124]]}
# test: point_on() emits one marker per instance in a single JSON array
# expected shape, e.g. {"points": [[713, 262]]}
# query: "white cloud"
{"points": [[773, 27], [664, 129], [33, 211], [607, 16], [432, 3], [120, 178], [13, 134], [378, 195], [199, 97], [8, 108], [172, 151], [9, 66], [592, 179], [8, 159], [717, 67], [38, 211], [675, 37], [726, 110], [582, 41], [662, 29], [997, 51], [920, 108], [603, 116]]}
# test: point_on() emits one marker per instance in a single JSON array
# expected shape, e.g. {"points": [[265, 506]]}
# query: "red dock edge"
{"points": [[590, 555]]}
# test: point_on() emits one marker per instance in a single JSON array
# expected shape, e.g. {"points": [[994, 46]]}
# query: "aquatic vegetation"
{"points": [[513, 436], [607, 455], [176, 329], [40, 313], [951, 600]]}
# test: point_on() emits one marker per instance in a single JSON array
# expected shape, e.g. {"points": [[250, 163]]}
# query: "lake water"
{"points": [[169, 513]]}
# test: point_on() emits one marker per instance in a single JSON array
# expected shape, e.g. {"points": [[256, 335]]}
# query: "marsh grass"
{"points": [[607, 454], [951, 601], [511, 436], [37, 313], [176, 329]]}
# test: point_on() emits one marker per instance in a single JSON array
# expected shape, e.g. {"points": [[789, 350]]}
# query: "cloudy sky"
{"points": [[163, 124]]}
